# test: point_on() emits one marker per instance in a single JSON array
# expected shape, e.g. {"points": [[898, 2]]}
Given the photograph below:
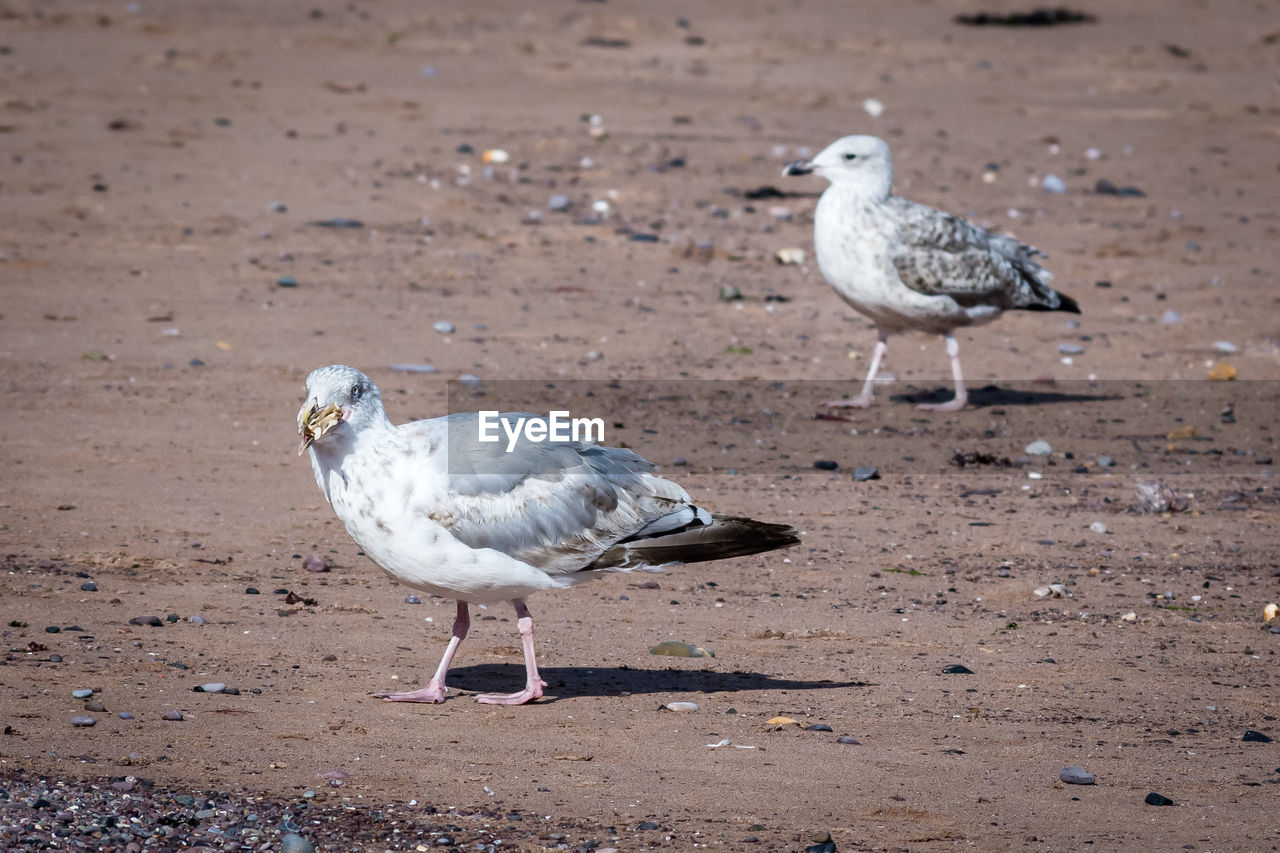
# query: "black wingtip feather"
{"points": [[1068, 304], [728, 536]]}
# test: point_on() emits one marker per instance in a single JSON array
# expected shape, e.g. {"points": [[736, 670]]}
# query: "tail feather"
{"points": [[726, 536]]}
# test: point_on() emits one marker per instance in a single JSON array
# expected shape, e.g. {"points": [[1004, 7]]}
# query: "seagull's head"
{"points": [[862, 162], [340, 400]]}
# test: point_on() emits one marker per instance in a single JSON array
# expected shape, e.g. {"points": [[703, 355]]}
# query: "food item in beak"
{"points": [[314, 425]]}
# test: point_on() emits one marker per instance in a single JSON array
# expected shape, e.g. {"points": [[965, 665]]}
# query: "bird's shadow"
{"points": [[992, 395], [564, 682]]}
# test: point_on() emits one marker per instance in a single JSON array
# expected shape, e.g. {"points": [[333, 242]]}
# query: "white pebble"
{"points": [[1039, 447], [1098, 527], [444, 327], [1054, 184], [874, 107], [681, 706], [1224, 346]]}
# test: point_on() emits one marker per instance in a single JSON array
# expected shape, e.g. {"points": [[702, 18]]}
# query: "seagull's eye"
{"points": [[849, 155], [356, 390]]}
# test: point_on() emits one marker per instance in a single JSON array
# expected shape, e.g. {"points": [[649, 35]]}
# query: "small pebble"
{"points": [[1098, 527], [1170, 317], [848, 740], [89, 586], [1040, 447], [863, 474], [286, 281], [95, 705], [1054, 184], [412, 599], [125, 715], [681, 706], [1105, 461], [1224, 346], [213, 687], [251, 590], [149, 621], [957, 669], [648, 824], [1254, 736], [197, 620], [873, 107], [675, 649], [1075, 776], [413, 368], [818, 727], [1154, 799], [54, 629], [82, 693], [444, 327], [470, 380], [1070, 349], [558, 201], [337, 222], [83, 722], [315, 563], [294, 843], [172, 716], [826, 464]]}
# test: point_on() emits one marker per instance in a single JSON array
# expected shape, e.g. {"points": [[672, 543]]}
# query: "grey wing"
{"points": [[554, 505], [943, 255]]}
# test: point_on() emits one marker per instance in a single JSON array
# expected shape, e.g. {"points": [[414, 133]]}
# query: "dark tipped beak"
{"points": [[799, 167]]}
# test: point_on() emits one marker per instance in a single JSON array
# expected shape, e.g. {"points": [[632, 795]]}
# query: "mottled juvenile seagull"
{"points": [[446, 513], [908, 266]]}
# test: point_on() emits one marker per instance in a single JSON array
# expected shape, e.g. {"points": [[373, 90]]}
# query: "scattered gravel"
{"points": [[129, 813]]}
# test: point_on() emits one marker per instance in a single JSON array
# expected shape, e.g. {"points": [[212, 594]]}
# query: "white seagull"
{"points": [[908, 266], [446, 513]]}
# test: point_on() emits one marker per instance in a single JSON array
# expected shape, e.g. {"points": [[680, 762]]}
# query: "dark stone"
{"points": [[1046, 17], [148, 621], [643, 238], [1254, 736], [648, 824], [89, 586], [337, 222], [251, 590], [861, 474], [826, 464], [1154, 799], [1105, 187], [818, 727], [957, 669]]}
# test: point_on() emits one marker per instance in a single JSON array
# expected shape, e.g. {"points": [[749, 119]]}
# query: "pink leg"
{"points": [[533, 684], [962, 397], [864, 397], [435, 689]]}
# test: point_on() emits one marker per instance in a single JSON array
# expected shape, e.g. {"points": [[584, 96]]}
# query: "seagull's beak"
{"points": [[799, 167], [314, 424]]}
